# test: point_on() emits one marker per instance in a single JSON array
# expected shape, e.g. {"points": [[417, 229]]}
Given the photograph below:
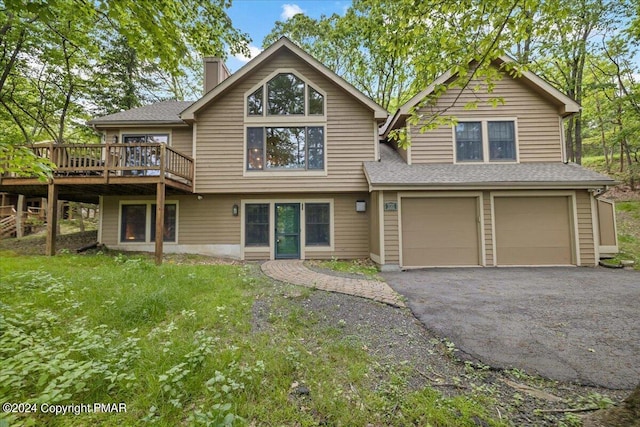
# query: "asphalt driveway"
{"points": [[569, 324]]}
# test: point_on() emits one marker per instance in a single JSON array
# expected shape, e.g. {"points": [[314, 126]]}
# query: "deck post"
{"points": [[159, 221], [52, 218], [20, 217]]}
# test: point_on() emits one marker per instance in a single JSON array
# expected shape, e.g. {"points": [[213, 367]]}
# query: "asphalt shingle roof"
{"points": [[392, 170], [161, 112]]}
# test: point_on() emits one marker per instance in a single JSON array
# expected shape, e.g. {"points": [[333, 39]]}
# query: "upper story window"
{"points": [[142, 138], [145, 156], [485, 141], [285, 148], [285, 95]]}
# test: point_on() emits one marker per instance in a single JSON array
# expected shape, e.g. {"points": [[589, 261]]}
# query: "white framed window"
{"points": [[145, 157], [137, 222], [486, 141], [285, 127], [285, 148], [285, 94]]}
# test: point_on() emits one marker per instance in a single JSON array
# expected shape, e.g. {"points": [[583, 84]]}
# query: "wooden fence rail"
{"points": [[123, 159]]}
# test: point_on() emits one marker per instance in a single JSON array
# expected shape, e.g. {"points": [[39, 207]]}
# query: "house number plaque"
{"points": [[390, 206]]}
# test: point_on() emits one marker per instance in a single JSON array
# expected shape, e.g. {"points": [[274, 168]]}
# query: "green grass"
{"points": [[597, 163], [178, 346], [628, 222], [363, 267]]}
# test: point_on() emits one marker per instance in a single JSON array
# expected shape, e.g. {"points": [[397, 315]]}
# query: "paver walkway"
{"points": [[294, 272]]}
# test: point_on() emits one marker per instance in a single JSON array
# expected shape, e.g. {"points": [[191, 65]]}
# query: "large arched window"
{"points": [[285, 94]]}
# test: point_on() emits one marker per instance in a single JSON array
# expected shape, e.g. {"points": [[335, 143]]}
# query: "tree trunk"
{"points": [[603, 140], [578, 138], [569, 140]]}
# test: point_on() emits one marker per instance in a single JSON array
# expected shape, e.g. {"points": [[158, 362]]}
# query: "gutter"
{"points": [[567, 185], [95, 124]]}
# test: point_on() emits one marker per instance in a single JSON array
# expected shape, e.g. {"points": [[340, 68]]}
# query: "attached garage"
{"points": [[533, 230], [440, 231]]}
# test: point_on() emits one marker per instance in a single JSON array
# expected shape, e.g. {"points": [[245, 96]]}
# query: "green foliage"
{"points": [[628, 222], [69, 335], [51, 358], [57, 55]]}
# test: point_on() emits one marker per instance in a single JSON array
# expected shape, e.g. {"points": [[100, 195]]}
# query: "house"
{"points": [[494, 188], [284, 159]]}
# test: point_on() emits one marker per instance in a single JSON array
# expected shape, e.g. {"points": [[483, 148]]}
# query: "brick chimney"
{"points": [[214, 72]]}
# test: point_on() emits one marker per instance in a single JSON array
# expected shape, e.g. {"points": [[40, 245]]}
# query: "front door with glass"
{"points": [[287, 231]]}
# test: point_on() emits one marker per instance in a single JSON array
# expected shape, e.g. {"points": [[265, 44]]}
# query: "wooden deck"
{"points": [[85, 171]]}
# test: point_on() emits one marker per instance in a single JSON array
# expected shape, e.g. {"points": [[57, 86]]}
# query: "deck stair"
{"points": [[8, 226], [32, 219]]}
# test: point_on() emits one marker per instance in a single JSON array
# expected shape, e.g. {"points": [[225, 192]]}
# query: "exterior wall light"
{"points": [[235, 210], [361, 206], [115, 139]]}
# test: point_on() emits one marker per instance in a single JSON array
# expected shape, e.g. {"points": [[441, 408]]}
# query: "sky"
{"points": [[257, 18]]}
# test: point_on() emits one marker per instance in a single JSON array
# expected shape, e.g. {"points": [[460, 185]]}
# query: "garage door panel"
{"points": [[439, 231], [420, 257], [532, 230]]}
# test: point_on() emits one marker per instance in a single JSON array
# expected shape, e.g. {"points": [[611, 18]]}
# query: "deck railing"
{"points": [[130, 159]]}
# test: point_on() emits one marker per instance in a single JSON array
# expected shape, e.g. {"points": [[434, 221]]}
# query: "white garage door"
{"points": [[439, 231], [533, 231]]}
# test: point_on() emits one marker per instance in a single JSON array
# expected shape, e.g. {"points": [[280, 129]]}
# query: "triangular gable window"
{"points": [[286, 95]]}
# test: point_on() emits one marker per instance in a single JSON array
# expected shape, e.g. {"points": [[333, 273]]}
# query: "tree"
{"points": [[392, 49], [349, 45], [48, 51]]}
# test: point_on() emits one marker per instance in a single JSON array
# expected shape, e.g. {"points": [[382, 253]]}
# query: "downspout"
{"points": [[563, 143]]}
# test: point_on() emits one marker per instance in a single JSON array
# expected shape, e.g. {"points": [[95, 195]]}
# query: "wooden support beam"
{"points": [[159, 221], [20, 217], [52, 219]]}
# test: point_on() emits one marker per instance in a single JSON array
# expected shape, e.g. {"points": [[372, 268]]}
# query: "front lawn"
{"points": [[189, 345]]}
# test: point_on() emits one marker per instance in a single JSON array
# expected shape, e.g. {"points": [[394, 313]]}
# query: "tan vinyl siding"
{"points": [[391, 240], [110, 133], [537, 123], [374, 223], [200, 222], [606, 223], [182, 140], [351, 228], [109, 220], [488, 233], [349, 136], [585, 229], [209, 221]]}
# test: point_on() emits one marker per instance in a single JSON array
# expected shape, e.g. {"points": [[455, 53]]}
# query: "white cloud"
{"points": [[253, 52], [289, 10]]}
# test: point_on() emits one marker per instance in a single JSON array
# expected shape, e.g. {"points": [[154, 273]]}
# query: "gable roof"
{"points": [[567, 106], [283, 43], [160, 113], [393, 172]]}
